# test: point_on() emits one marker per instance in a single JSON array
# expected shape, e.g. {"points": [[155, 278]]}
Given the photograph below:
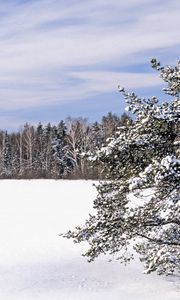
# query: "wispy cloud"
{"points": [[57, 51]]}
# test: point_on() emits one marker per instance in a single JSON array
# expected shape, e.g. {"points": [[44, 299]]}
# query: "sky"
{"points": [[61, 58]]}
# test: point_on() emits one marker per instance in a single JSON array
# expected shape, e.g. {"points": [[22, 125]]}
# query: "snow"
{"points": [[37, 264]]}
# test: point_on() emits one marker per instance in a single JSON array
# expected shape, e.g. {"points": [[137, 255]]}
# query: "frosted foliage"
{"points": [[171, 75], [141, 157]]}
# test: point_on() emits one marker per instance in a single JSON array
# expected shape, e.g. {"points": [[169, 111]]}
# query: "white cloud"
{"points": [[99, 82], [88, 84], [42, 43]]}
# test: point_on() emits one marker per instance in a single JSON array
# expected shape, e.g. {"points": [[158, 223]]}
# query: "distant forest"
{"points": [[57, 151]]}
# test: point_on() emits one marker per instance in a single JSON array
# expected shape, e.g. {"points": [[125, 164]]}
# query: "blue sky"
{"points": [[66, 58]]}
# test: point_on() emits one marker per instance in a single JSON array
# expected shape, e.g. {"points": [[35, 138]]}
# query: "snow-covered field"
{"points": [[35, 263]]}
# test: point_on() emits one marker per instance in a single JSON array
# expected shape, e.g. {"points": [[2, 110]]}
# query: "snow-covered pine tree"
{"points": [[60, 147], [40, 147], [138, 206], [7, 156]]}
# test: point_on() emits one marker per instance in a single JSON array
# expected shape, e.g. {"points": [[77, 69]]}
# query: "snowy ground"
{"points": [[36, 264]]}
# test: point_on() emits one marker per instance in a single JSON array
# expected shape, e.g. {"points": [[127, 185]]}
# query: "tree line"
{"points": [[56, 151]]}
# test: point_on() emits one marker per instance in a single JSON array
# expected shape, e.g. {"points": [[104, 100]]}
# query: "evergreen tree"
{"points": [[139, 204], [7, 156], [48, 151], [40, 147], [97, 135], [60, 151]]}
